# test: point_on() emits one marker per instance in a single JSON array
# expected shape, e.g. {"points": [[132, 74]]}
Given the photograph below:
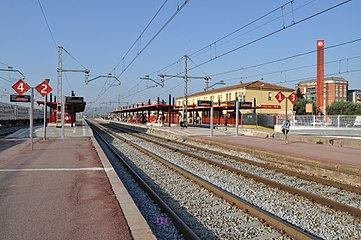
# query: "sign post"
{"points": [[211, 120], [237, 116], [293, 98], [21, 87], [44, 88], [31, 118], [207, 103]]}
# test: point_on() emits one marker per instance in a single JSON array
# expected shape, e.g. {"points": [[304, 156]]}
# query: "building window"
{"points": [[270, 96]]}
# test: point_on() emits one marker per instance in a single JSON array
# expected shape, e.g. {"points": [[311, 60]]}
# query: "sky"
{"points": [[229, 41]]}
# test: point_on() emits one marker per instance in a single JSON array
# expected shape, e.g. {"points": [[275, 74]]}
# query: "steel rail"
{"points": [[313, 197], [183, 227], [278, 223], [330, 183]]}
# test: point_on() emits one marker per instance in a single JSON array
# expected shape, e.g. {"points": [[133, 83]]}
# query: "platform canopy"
{"points": [[78, 107]]}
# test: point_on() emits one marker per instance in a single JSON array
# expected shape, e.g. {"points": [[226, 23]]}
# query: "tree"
{"points": [[299, 94], [300, 106], [344, 108]]}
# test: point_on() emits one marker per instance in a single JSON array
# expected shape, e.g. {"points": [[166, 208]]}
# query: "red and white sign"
{"points": [[21, 87], [280, 97], [293, 98], [269, 106], [320, 43], [44, 88]]}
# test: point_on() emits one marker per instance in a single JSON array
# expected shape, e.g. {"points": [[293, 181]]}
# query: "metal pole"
{"points": [[169, 111], [186, 88], [31, 118], [237, 116], [62, 117], [286, 121], [60, 85], [211, 121], [45, 117]]}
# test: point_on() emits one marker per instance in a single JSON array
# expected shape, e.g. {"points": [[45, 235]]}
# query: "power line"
{"points": [[74, 58], [216, 44], [326, 75], [179, 8], [284, 27], [152, 39], [5, 64], [293, 69], [285, 58], [47, 24], [139, 37], [273, 33]]}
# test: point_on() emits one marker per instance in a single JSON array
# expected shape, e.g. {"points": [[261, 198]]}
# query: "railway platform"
{"points": [[64, 189]]}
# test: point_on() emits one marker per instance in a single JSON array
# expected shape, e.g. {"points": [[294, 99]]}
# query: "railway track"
{"points": [[347, 207], [210, 211], [337, 195]]}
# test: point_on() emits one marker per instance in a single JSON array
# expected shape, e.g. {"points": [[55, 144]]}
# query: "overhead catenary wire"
{"points": [[155, 35], [47, 24], [272, 33], [217, 42], [282, 28], [285, 58], [291, 69], [74, 58], [140, 35], [141, 50], [271, 62]]}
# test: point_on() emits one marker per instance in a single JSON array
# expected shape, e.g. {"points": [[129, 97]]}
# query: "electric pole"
{"points": [[60, 105], [185, 77]]}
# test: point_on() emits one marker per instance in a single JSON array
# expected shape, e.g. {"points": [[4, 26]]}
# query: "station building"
{"points": [[255, 97]]}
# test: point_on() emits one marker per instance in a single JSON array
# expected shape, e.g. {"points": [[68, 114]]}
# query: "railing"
{"points": [[335, 121]]}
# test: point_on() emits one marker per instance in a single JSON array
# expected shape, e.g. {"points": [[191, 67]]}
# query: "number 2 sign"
{"points": [[44, 88]]}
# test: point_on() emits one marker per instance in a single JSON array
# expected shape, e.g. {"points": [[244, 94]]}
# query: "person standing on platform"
{"points": [[181, 120], [225, 122], [285, 128]]}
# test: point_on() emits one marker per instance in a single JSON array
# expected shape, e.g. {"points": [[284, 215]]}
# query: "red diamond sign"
{"points": [[21, 87], [280, 97], [293, 98], [44, 88]]}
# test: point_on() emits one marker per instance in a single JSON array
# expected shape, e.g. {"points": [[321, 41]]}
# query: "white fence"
{"points": [[335, 121]]}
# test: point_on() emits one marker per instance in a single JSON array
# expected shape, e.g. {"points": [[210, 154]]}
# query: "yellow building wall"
{"points": [[263, 97]]}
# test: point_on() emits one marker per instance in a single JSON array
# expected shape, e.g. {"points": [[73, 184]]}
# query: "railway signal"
{"points": [[21, 87]]}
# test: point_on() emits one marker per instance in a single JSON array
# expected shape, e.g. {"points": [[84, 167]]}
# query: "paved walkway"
{"points": [[63, 189]]}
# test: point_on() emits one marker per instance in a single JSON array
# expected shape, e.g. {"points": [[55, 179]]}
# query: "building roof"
{"points": [[250, 85], [313, 80]]}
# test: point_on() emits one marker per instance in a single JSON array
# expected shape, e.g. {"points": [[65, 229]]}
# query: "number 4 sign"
{"points": [[21, 87], [44, 88]]}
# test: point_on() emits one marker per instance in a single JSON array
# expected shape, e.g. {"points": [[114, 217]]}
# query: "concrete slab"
{"points": [[58, 191]]}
